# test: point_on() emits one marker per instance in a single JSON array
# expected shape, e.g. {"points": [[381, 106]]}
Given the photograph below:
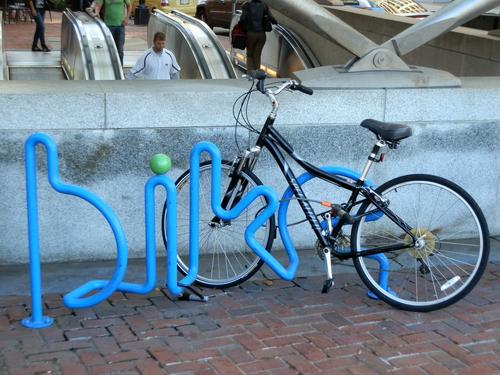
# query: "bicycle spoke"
{"points": [[459, 244], [222, 245], [456, 260], [244, 257], [456, 252], [434, 209], [429, 266], [448, 252]]}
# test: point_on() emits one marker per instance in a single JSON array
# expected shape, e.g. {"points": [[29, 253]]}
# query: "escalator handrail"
{"points": [[212, 37], [83, 40], [189, 37], [4, 72], [113, 51], [305, 54]]}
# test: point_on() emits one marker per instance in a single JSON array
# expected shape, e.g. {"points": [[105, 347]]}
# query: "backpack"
{"points": [[239, 37]]}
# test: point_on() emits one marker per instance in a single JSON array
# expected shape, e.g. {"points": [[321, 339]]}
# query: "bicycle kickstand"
{"points": [[328, 263]]}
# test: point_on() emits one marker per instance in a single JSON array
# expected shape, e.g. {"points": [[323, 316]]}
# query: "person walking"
{"points": [[38, 12], [256, 19], [116, 15], [157, 62]]}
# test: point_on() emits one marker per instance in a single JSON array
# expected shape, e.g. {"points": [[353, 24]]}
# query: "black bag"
{"points": [[239, 37]]}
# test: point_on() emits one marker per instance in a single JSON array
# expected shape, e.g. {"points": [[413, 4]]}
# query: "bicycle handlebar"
{"points": [[293, 85], [288, 85], [302, 88]]}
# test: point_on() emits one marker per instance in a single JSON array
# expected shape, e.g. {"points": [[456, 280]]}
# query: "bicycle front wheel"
{"points": [[225, 259], [452, 243]]}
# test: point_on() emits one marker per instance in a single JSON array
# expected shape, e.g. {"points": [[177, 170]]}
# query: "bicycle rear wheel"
{"points": [[453, 243], [225, 259]]}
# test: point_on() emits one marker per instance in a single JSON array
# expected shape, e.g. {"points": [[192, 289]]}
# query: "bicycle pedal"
{"points": [[327, 286]]}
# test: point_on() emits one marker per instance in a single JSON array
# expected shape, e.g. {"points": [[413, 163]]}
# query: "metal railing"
{"points": [[4, 73]]}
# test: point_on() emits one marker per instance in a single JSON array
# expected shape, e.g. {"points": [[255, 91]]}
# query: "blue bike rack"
{"points": [[37, 320], [103, 289], [256, 192]]}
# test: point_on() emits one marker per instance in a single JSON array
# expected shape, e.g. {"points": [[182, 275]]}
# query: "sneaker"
{"points": [[46, 49], [36, 49]]}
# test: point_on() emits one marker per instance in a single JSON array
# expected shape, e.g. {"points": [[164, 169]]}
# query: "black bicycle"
{"points": [[431, 234]]}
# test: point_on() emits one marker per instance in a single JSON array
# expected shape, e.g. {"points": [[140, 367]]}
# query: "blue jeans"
{"points": [[40, 28], [118, 33]]}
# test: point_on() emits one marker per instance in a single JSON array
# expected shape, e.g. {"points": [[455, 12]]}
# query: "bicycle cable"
{"points": [[237, 117], [243, 114]]}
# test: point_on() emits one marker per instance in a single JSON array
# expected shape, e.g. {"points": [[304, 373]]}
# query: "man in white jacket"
{"points": [[156, 63]]}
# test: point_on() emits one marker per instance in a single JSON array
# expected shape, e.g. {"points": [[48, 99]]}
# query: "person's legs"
{"points": [[39, 30], [118, 33], [251, 44], [41, 12], [259, 45]]}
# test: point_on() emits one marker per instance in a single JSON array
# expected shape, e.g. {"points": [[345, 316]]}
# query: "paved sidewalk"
{"points": [[19, 35], [260, 329]]}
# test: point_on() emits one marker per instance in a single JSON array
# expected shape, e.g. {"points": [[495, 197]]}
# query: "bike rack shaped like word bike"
{"points": [[102, 289]]}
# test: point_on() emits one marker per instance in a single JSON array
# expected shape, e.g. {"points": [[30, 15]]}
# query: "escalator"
{"points": [[284, 53], [87, 52], [201, 55], [3, 66], [196, 47]]}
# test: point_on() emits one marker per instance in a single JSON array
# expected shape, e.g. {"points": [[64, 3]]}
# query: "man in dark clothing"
{"points": [[256, 18]]}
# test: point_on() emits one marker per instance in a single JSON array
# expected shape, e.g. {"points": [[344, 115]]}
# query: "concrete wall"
{"points": [[462, 52], [106, 132]]}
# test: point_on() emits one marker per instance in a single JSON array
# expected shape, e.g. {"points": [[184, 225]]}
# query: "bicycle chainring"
{"points": [[341, 244]]}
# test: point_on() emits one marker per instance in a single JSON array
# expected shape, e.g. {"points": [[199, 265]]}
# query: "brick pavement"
{"points": [[258, 329], [19, 35]]}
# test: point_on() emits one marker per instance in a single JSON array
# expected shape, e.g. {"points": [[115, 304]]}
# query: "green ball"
{"points": [[160, 164]]}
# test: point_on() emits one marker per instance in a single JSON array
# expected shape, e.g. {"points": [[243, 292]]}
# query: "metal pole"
{"points": [[315, 18], [451, 16]]}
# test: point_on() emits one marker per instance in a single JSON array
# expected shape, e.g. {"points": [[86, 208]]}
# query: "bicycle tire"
{"points": [[434, 246], [267, 241]]}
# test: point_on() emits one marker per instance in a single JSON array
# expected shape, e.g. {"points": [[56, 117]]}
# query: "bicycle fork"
{"points": [[237, 186]]}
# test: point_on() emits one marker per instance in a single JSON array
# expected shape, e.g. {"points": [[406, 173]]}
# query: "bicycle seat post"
{"points": [[372, 158]]}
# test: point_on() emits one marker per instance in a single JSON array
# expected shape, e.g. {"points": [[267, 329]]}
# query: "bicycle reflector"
{"points": [[450, 283]]}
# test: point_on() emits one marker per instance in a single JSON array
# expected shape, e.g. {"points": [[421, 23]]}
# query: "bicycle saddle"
{"points": [[387, 131]]}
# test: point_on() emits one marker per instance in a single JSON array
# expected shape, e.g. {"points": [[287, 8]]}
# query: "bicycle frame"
{"points": [[273, 141]]}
